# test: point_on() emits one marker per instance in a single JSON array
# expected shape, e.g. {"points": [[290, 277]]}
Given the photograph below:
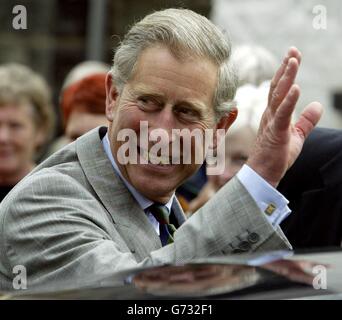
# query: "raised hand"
{"points": [[279, 142]]}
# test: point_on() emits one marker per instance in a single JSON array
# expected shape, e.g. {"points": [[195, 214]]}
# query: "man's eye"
{"points": [[187, 112], [147, 103], [142, 101]]}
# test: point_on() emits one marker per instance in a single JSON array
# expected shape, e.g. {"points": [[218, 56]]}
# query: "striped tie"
{"points": [[161, 213]]}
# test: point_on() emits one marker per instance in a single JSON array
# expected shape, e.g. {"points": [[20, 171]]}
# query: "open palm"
{"points": [[279, 141]]}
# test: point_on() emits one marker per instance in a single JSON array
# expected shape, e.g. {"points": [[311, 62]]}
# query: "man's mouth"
{"points": [[155, 159]]}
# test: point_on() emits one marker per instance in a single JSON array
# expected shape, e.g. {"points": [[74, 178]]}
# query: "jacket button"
{"points": [[244, 246], [237, 250], [253, 237]]}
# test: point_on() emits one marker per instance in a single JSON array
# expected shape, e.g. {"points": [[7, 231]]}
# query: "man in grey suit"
{"points": [[84, 214]]}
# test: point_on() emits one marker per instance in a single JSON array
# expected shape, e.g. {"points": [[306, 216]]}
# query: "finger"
{"points": [[285, 110], [292, 52], [309, 118], [277, 77], [284, 84], [295, 53]]}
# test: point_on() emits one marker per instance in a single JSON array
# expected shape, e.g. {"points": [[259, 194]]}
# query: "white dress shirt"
{"points": [[268, 199], [143, 201]]}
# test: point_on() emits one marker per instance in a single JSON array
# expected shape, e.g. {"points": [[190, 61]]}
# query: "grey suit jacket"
{"points": [[72, 221]]}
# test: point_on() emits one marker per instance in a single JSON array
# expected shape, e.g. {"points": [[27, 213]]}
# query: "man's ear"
{"points": [[111, 96], [227, 120], [224, 124]]}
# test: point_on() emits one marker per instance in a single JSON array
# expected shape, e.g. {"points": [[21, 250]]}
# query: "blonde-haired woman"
{"points": [[26, 122]]}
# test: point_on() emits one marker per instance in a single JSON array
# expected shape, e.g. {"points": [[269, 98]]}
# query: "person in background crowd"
{"points": [[82, 101], [83, 105], [239, 141], [26, 122], [255, 66]]}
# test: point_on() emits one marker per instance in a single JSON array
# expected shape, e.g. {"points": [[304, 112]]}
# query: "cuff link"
{"points": [[270, 209]]}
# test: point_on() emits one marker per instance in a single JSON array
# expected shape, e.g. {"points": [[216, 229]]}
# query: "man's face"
{"points": [[168, 94], [19, 138]]}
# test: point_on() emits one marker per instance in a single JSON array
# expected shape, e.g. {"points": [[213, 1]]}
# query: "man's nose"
{"points": [[166, 122]]}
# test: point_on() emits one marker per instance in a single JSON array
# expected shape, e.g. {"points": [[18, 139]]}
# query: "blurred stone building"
{"points": [[279, 24], [61, 33]]}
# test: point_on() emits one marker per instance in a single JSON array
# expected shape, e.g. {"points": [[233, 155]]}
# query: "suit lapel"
{"points": [[178, 212], [131, 221]]}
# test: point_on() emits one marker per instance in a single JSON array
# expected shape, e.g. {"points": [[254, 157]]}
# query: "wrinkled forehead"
{"points": [[158, 65]]}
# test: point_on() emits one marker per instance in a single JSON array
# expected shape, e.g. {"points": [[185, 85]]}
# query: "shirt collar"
{"points": [[143, 201]]}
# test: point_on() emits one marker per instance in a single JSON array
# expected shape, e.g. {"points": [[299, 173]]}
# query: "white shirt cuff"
{"points": [[268, 199]]}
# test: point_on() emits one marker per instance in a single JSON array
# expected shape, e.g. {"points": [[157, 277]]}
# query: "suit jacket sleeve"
{"points": [[60, 235]]}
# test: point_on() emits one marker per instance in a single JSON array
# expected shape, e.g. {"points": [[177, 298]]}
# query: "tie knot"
{"points": [[160, 212]]}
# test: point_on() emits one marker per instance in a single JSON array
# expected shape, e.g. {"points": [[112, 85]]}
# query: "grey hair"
{"points": [[251, 102], [182, 31], [254, 64]]}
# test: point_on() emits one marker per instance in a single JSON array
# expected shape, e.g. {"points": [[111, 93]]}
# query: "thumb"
{"points": [[309, 118]]}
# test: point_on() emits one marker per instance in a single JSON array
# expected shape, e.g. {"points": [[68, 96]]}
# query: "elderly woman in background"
{"points": [[83, 105], [251, 101], [255, 65], [26, 122], [82, 101]]}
